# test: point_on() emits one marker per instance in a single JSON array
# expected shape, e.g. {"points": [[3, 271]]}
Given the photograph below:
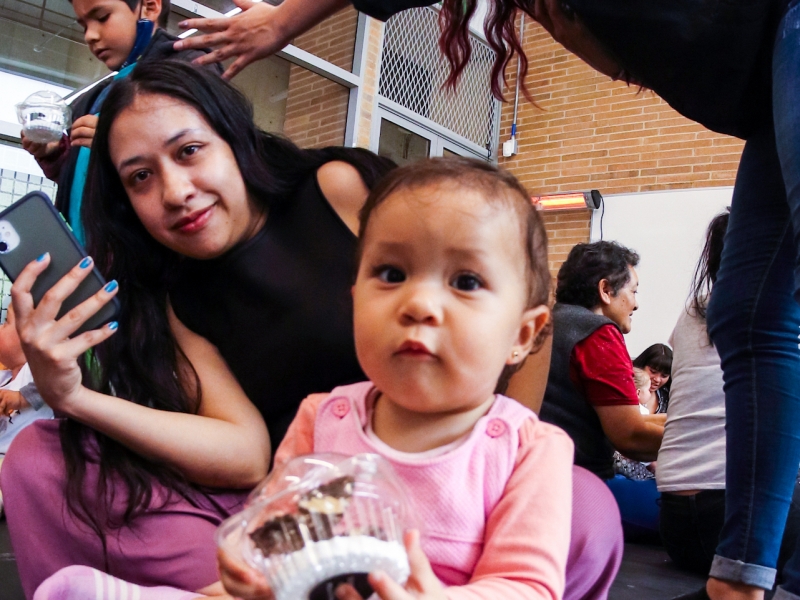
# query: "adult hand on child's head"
{"points": [[39, 151], [83, 129], [422, 584], [241, 581], [11, 401], [249, 36], [51, 354]]}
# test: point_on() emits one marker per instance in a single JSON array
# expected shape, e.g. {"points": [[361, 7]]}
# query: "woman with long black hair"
{"points": [[656, 361], [231, 251]]}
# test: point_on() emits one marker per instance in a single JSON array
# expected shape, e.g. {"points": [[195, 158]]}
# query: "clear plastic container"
{"points": [[44, 117], [320, 521]]}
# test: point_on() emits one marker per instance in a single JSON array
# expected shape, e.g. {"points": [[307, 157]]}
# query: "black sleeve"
{"points": [[383, 9]]}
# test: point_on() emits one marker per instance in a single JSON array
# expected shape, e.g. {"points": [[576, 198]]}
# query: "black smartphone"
{"points": [[29, 228]]}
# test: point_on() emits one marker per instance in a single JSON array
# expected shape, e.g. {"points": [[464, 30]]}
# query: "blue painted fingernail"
{"points": [[111, 286], [113, 325], [42, 257], [85, 262]]}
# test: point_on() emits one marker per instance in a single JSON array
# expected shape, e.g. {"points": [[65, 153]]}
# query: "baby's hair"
{"points": [[498, 188], [640, 378]]}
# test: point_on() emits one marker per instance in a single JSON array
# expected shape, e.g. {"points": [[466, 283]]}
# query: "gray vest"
{"points": [[564, 405]]}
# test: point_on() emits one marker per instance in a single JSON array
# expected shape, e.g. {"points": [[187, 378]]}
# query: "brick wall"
{"points": [[316, 108], [591, 133]]}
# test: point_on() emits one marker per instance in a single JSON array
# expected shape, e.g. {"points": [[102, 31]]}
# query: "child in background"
{"points": [[648, 403], [20, 402], [119, 33]]}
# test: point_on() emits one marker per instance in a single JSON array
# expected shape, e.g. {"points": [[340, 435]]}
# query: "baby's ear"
{"points": [[534, 320]]}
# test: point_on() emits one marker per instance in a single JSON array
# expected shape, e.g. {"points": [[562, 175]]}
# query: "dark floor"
{"points": [[646, 574], [10, 588]]}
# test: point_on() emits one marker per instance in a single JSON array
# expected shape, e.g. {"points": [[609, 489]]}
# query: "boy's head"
{"points": [[11, 354], [455, 255], [109, 26]]}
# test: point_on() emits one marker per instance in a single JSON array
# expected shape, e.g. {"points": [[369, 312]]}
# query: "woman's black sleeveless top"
{"points": [[278, 307]]}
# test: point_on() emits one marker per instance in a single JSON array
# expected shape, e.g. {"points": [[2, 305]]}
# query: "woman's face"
{"points": [[657, 378], [622, 304], [181, 177]]}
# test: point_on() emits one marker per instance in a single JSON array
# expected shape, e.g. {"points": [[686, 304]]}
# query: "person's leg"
{"points": [[690, 527], [638, 505], [786, 96], [595, 550], [85, 583], [171, 545], [754, 322]]}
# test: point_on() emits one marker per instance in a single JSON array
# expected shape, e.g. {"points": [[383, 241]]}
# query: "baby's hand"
{"points": [[11, 401], [241, 581], [422, 584]]}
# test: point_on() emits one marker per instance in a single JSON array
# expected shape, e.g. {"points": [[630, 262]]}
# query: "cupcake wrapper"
{"points": [[293, 576]]}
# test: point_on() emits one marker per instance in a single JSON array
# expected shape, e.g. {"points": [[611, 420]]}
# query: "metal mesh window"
{"points": [[13, 186], [413, 71]]}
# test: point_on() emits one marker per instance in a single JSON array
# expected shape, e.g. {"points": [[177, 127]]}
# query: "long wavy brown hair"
{"points": [[501, 35]]}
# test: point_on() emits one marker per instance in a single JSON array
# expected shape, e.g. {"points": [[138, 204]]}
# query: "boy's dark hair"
{"points": [[163, 16], [497, 186], [658, 357], [587, 265]]}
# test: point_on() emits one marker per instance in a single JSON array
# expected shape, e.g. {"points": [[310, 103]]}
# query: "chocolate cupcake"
{"points": [[337, 522]]}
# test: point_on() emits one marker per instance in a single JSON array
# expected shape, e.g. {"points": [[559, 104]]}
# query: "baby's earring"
{"points": [[515, 355]]}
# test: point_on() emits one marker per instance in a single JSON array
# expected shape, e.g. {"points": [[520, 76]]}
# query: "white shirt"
{"points": [[692, 454]]}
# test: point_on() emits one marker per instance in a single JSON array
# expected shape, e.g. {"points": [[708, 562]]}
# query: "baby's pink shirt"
{"points": [[527, 534]]}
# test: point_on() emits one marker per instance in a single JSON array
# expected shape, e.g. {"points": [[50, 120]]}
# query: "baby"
{"points": [[648, 402], [450, 297]]}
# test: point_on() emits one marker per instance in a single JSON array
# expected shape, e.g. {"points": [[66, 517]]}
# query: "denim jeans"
{"points": [[754, 321], [638, 503], [690, 528]]}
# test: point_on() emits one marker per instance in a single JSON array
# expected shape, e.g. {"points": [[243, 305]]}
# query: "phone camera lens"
{"points": [[3, 246]]}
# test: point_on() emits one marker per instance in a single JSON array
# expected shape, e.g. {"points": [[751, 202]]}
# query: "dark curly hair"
{"points": [[587, 265]]}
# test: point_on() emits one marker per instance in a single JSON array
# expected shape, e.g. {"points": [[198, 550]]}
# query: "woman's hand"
{"points": [[241, 581], [260, 30], [52, 355], [422, 584]]}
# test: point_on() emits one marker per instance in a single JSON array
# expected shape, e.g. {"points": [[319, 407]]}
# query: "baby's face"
{"points": [[644, 394], [440, 297]]}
